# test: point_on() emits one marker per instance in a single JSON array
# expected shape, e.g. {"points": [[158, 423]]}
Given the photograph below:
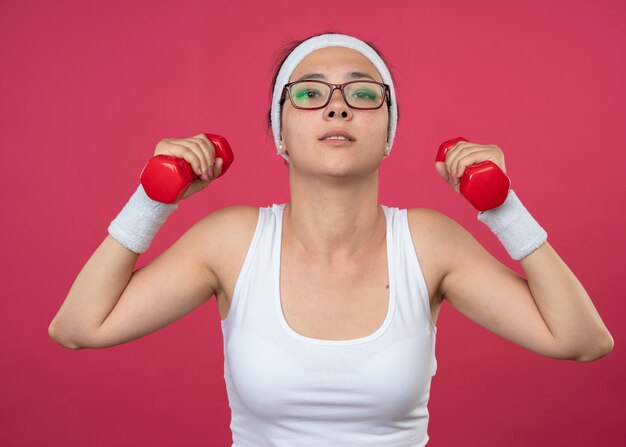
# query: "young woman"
{"points": [[329, 302]]}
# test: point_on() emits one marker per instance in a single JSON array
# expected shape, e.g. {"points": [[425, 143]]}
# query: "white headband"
{"points": [[323, 41]]}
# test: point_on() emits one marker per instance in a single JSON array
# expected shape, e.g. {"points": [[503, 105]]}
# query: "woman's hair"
{"points": [[284, 54]]}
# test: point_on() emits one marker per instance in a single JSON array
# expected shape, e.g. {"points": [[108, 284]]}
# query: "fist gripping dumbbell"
{"points": [[166, 178], [484, 184]]}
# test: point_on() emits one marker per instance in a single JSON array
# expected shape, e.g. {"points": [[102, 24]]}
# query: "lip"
{"points": [[337, 133]]}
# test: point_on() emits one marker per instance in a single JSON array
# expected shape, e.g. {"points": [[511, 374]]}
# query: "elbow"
{"points": [[57, 336], [600, 349]]}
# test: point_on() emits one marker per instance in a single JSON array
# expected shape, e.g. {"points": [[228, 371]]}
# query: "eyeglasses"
{"points": [[310, 95]]}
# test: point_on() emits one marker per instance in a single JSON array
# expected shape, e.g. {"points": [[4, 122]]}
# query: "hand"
{"points": [[464, 154], [199, 152]]}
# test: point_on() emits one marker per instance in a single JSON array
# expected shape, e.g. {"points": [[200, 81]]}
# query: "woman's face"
{"points": [[303, 131]]}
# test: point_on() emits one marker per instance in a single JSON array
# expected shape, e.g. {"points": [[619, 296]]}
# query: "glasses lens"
{"points": [[309, 94], [364, 95]]}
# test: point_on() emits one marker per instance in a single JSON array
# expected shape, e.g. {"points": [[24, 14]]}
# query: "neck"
{"points": [[336, 220]]}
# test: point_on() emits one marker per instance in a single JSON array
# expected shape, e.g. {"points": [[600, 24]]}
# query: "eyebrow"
{"points": [[351, 75]]}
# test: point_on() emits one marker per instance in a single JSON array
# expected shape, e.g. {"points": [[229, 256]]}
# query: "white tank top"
{"points": [[287, 390]]}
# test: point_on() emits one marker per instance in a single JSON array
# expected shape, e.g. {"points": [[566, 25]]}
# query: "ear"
{"points": [[387, 150], [281, 147]]}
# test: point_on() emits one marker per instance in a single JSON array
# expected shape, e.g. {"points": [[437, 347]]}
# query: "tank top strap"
{"points": [[248, 306], [413, 297]]}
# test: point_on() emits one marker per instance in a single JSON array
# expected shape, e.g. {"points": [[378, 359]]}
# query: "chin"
{"points": [[348, 168], [342, 162]]}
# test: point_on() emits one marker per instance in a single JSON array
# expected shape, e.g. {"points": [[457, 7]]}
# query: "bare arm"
{"points": [[93, 295], [107, 280], [109, 305], [549, 312], [565, 306]]}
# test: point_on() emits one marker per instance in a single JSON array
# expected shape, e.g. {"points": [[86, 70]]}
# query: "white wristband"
{"points": [[138, 222], [518, 231]]}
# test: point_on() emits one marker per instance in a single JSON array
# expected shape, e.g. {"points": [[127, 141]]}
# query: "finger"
{"points": [[207, 148], [217, 168], [441, 169], [462, 162], [453, 152], [176, 148], [453, 165], [478, 156], [196, 148], [450, 180], [202, 152], [456, 184]]}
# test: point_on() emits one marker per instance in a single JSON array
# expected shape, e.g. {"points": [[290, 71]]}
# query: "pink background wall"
{"points": [[88, 88]]}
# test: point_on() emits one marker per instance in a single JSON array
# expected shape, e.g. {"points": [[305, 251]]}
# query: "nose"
{"points": [[337, 107]]}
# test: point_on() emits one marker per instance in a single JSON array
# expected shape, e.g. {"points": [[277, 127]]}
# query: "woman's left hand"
{"points": [[464, 154]]}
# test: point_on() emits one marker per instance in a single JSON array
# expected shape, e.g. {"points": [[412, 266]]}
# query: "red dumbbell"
{"points": [[484, 184], [166, 178]]}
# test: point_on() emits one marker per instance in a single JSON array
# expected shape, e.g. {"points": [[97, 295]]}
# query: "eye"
{"points": [[365, 94], [307, 94]]}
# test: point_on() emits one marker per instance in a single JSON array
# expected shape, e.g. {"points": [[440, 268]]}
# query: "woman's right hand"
{"points": [[199, 152]]}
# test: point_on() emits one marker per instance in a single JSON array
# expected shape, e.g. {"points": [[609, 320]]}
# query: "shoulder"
{"points": [[236, 215], [441, 229], [228, 224], [440, 238], [221, 231], [430, 222]]}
